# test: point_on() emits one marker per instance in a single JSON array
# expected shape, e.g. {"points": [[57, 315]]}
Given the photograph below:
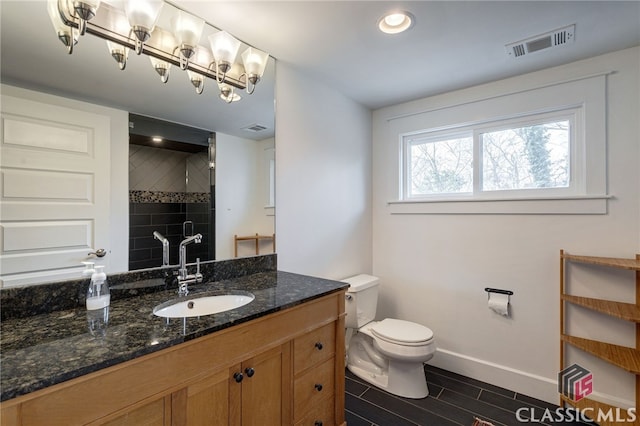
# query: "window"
{"points": [[439, 164], [514, 147], [532, 155]]}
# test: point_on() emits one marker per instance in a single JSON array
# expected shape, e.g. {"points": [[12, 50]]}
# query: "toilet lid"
{"points": [[396, 330]]}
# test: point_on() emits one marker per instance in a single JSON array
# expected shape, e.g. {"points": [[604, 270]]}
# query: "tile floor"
{"points": [[453, 400]]}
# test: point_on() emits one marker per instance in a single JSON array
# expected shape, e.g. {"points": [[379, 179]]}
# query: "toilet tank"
{"points": [[362, 300]]}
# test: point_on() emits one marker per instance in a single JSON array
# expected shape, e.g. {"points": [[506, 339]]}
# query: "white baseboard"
{"points": [[543, 388]]}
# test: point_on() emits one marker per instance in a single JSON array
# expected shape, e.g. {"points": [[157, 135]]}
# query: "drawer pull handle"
{"points": [[317, 423], [238, 377], [250, 371], [319, 346], [318, 387]]}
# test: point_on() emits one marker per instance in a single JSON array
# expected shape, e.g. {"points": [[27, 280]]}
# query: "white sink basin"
{"points": [[202, 305]]}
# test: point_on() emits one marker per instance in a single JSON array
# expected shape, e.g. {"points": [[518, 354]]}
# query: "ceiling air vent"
{"points": [[254, 128], [548, 40]]}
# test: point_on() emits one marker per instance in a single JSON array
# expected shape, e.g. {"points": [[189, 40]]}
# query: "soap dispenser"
{"points": [[98, 299]]}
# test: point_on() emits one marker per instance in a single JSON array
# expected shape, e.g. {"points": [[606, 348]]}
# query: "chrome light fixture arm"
{"points": [[84, 11], [251, 80]]}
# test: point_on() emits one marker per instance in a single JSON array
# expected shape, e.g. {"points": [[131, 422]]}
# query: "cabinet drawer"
{"points": [[314, 347], [319, 415], [312, 387]]}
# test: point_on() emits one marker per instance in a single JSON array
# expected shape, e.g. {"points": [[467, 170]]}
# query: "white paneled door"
{"points": [[54, 191]]}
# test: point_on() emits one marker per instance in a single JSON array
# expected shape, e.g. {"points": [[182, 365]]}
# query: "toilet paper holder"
{"points": [[497, 290]]}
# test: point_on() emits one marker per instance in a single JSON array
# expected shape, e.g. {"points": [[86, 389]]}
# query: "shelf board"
{"points": [[621, 356], [631, 264], [626, 311], [596, 406]]}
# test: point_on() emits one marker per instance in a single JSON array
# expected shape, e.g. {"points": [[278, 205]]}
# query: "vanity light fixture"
{"points": [[142, 16], [119, 53], [225, 49], [188, 30], [203, 58], [162, 40], [67, 35], [227, 93], [168, 35], [395, 22]]}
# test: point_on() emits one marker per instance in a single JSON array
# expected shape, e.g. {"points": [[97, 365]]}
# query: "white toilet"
{"points": [[390, 353]]}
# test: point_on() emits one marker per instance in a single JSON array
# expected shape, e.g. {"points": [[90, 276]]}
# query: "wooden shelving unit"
{"points": [[624, 357], [256, 238], [626, 311]]}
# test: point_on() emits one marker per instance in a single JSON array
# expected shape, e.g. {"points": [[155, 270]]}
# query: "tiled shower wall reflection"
{"points": [[168, 188]]}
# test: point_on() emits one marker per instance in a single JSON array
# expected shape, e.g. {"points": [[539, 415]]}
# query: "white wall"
{"points": [[323, 178], [239, 194], [434, 268]]}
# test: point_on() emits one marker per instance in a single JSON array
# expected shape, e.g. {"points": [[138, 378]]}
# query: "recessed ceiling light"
{"points": [[395, 22], [156, 139]]}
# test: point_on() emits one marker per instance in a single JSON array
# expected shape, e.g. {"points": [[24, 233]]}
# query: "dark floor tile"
{"points": [[355, 420], [373, 413], [480, 384], [482, 409], [454, 400], [501, 401], [405, 409], [510, 404], [535, 402], [354, 387], [453, 384], [434, 390], [443, 409]]}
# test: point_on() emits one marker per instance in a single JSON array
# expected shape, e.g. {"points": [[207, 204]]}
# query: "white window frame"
{"points": [[576, 156], [582, 99], [428, 136]]}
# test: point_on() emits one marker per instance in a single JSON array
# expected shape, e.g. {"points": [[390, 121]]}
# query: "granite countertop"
{"points": [[46, 349]]}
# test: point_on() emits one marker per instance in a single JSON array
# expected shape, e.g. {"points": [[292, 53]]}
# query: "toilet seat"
{"points": [[399, 332]]}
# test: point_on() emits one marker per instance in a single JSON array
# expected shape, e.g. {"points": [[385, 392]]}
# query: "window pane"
{"points": [[526, 157], [441, 167]]}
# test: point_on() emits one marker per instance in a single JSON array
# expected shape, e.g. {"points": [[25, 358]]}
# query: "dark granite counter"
{"points": [[42, 350]]}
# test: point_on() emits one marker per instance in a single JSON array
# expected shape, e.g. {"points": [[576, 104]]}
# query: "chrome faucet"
{"points": [[165, 247], [184, 279]]}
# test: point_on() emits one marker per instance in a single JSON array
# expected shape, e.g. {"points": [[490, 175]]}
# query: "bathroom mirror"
{"points": [[175, 182], [244, 130]]}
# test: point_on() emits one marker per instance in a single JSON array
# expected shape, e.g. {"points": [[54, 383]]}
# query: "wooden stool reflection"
{"points": [[257, 239]]}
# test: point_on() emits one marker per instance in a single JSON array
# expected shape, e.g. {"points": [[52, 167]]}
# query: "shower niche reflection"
{"points": [[171, 191]]}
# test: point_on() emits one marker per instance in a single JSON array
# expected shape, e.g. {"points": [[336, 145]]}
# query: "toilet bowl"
{"points": [[389, 354]]}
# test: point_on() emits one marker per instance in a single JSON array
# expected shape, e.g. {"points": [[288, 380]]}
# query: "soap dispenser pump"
{"points": [[98, 300], [88, 270]]}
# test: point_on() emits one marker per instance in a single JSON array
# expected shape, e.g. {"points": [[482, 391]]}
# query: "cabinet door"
{"points": [[262, 389], [205, 402]]}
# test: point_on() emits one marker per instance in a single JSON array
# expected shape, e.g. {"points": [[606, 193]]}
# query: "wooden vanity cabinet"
{"points": [[249, 393], [154, 413], [199, 383], [314, 377]]}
